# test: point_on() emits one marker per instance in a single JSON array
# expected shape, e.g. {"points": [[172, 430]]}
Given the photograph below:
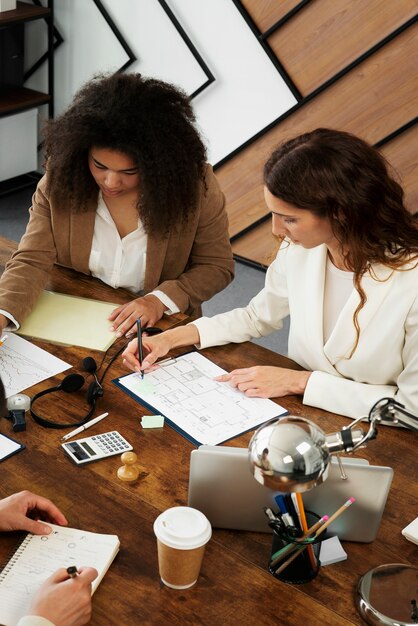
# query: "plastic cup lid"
{"points": [[182, 527]]}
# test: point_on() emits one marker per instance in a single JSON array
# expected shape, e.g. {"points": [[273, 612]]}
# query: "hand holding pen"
{"points": [[65, 598], [159, 345]]}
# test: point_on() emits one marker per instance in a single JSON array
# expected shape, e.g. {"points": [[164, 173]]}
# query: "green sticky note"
{"points": [[152, 421]]}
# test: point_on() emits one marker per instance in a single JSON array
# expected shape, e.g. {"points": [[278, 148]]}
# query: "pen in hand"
{"points": [[72, 571], [139, 336]]}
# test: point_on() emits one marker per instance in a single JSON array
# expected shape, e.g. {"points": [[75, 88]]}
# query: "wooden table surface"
{"points": [[234, 586]]}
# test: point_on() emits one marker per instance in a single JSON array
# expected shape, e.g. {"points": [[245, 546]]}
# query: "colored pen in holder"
{"points": [[294, 558]]}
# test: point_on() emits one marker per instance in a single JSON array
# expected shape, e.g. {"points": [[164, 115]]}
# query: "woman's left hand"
{"points": [[149, 308], [263, 381], [25, 510]]}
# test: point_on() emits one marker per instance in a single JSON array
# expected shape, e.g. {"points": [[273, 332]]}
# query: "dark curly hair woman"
{"points": [[129, 198], [346, 272]]}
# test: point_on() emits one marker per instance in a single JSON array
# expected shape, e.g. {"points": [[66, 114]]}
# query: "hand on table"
{"points": [[65, 601], [22, 510], [263, 381], [149, 308]]}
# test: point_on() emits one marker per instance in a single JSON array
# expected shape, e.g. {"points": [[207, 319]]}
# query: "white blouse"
{"points": [[117, 262], [338, 287], [121, 262]]}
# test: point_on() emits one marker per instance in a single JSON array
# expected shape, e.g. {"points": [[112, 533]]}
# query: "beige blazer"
{"points": [[385, 362], [191, 265]]}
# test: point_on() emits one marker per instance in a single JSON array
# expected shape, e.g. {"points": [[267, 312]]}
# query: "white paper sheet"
{"points": [[22, 364], [41, 555], [209, 412]]}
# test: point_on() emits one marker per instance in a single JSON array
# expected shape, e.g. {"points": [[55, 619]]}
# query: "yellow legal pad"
{"points": [[70, 320]]}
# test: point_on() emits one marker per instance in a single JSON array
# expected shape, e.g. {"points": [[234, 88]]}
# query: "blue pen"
{"points": [[280, 501], [139, 336]]}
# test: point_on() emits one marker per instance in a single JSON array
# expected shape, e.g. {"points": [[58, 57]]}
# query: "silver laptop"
{"points": [[222, 486]]}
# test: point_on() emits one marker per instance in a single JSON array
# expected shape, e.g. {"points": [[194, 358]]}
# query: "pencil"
{"points": [[3, 339], [338, 512], [139, 336], [304, 525], [280, 554]]}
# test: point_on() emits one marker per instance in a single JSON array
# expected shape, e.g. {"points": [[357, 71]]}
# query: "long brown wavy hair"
{"points": [[150, 121], [341, 177]]}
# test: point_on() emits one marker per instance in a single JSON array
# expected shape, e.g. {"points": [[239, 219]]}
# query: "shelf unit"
{"points": [[20, 98]]}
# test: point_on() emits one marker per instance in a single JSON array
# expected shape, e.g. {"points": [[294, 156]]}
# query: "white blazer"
{"points": [[385, 362]]}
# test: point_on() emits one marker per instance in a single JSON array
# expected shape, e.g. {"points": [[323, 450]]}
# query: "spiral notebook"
{"points": [[39, 556]]}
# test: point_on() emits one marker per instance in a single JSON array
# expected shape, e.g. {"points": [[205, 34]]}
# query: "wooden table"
{"points": [[235, 586]]}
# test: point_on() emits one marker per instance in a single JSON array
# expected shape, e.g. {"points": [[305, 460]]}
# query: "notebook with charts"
{"points": [[39, 556], [70, 320], [222, 486], [196, 405]]}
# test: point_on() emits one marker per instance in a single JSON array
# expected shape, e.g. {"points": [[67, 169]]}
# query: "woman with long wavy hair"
{"points": [[129, 198], [346, 272]]}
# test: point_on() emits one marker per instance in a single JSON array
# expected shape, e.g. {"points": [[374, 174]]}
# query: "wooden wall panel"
{"points": [[373, 100], [265, 13], [326, 36], [402, 154], [258, 245]]}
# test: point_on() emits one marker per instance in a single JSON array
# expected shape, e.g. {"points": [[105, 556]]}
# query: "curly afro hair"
{"points": [[150, 121]]}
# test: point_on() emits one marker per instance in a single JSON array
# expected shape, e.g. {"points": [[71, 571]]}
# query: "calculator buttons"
{"points": [[96, 447]]}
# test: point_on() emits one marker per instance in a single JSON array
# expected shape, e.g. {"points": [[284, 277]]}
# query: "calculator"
{"points": [[97, 447]]}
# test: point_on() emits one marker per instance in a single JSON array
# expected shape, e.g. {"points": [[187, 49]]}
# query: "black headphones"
{"points": [[73, 382]]}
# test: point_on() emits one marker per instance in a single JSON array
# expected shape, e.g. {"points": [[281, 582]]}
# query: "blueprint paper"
{"points": [[206, 411]]}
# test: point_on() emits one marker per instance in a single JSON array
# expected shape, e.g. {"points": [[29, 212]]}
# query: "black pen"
{"points": [[139, 335], [72, 571]]}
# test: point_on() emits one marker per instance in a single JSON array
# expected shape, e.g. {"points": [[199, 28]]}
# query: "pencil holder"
{"points": [[305, 566]]}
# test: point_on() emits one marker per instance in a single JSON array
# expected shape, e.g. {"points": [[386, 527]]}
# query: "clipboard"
{"points": [[9, 447], [193, 403]]}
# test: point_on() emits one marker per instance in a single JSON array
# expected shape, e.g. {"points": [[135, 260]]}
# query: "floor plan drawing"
{"points": [[208, 411]]}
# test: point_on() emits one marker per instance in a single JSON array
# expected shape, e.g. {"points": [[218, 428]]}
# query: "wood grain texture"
{"points": [[265, 13], [258, 245], [373, 100], [348, 28], [234, 586], [402, 154]]}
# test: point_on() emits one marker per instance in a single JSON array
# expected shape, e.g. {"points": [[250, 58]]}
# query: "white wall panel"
{"points": [[248, 92]]}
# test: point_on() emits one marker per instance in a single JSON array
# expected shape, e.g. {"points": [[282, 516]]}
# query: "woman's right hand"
{"points": [[153, 347], [65, 601], [158, 345]]}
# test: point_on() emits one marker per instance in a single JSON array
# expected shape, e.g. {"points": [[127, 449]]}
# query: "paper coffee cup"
{"points": [[182, 534]]}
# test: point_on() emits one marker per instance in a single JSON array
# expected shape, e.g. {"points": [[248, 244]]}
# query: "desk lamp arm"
{"points": [[385, 410]]}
